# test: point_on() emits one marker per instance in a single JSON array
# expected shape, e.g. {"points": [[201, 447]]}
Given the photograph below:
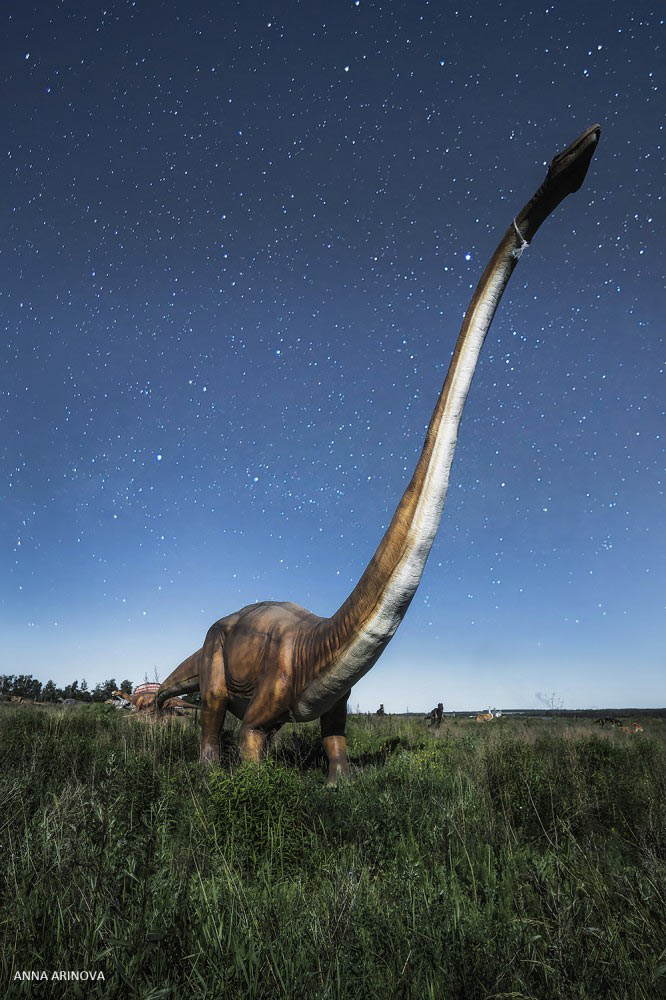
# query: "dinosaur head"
{"points": [[566, 173], [567, 170]]}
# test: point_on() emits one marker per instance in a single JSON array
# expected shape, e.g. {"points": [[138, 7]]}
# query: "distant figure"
{"points": [[119, 700], [485, 716], [143, 700], [632, 728], [436, 715], [144, 695], [380, 711], [608, 720]]}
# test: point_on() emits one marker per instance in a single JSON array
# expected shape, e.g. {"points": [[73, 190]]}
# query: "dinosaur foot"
{"points": [[338, 770], [210, 756]]}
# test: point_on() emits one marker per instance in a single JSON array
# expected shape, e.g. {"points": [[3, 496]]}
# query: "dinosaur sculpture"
{"points": [[138, 699], [271, 662], [633, 728], [119, 700], [144, 700], [608, 720], [485, 717], [435, 715]]}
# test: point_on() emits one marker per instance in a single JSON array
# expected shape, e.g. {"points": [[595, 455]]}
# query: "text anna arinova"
{"points": [[63, 975]]}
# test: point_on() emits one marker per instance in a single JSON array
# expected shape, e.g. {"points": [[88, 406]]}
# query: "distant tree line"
{"points": [[27, 686]]}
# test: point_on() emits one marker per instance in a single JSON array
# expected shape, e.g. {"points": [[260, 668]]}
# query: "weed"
{"points": [[521, 860]]}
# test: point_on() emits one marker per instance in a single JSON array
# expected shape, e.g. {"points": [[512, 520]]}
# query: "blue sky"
{"points": [[238, 250]]}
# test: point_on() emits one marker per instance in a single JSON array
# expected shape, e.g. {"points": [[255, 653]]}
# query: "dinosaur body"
{"points": [[272, 662], [142, 701]]}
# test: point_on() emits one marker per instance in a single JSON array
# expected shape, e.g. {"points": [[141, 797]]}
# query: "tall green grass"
{"points": [[513, 860]]}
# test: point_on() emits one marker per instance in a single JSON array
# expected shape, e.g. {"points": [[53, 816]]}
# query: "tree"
{"points": [[126, 686], [104, 690], [552, 700], [35, 689], [72, 690], [23, 685], [49, 691], [7, 685]]}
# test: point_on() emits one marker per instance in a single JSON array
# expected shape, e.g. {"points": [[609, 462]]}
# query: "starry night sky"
{"points": [[238, 240]]}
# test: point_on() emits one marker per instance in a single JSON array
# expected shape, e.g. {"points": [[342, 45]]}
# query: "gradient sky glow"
{"points": [[238, 241]]}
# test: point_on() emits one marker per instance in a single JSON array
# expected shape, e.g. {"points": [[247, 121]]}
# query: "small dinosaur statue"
{"points": [[274, 662], [436, 715], [608, 720], [142, 701]]}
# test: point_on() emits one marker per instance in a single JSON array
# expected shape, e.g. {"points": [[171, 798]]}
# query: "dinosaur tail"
{"points": [[183, 680]]}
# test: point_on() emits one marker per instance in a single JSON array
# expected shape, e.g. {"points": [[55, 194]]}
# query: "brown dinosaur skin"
{"points": [[146, 702], [137, 701], [124, 695], [270, 663]]}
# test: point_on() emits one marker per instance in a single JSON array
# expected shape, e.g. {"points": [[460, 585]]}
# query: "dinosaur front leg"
{"points": [[251, 742], [333, 737], [214, 697], [267, 708]]}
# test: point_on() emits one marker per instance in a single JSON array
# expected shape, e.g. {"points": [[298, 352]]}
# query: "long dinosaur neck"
{"points": [[343, 647], [184, 679], [394, 572]]}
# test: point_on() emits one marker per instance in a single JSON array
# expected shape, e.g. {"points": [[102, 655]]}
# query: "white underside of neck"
{"points": [[365, 647]]}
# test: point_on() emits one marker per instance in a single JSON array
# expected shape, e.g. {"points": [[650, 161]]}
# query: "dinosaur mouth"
{"points": [[569, 167]]}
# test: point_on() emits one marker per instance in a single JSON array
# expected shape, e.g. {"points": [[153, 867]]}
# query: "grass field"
{"points": [[525, 858]]}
